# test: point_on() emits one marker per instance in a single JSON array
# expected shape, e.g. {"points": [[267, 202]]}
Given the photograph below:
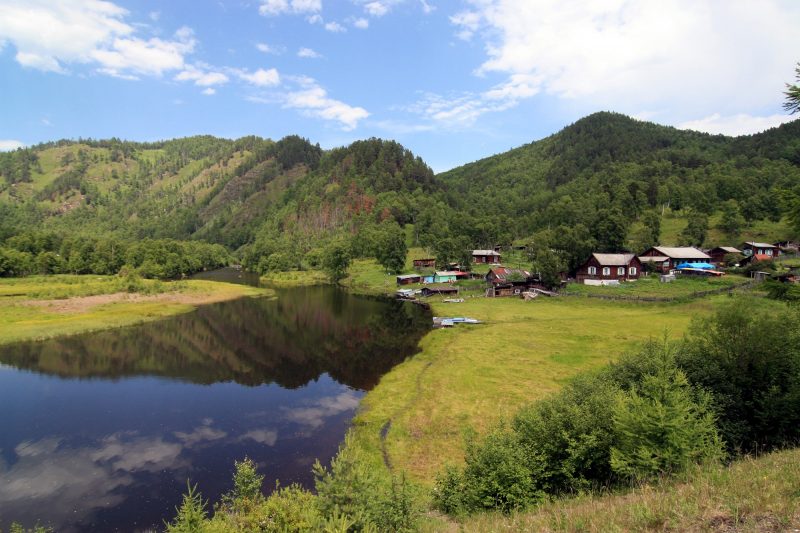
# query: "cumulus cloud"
{"points": [[734, 125], [209, 91], [268, 49], [308, 53], [376, 8], [687, 55], [361, 23], [280, 7], [6, 145], [335, 27], [50, 34], [201, 76], [261, 77]]}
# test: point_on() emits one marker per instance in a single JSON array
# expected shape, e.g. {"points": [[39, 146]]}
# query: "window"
{"points": [[606, 271], [592, 271], [620, 271], [632, 271], [769, 252]]}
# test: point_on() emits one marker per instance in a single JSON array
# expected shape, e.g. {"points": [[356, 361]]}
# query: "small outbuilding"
{"points": [[444, 289], [407, 279], [485, 256], [427, 262], [605, 267]]}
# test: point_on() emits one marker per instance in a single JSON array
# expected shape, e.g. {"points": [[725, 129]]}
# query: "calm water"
{"points": [[100, 432]]}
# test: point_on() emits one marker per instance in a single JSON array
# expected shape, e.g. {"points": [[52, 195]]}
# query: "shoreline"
{"points": [[43, 307]]}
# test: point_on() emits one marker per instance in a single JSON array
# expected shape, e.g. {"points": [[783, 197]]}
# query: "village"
{"points": [[489, 276]]}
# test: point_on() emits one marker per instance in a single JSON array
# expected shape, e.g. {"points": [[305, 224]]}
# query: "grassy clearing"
{"points": [[367, 276], [650, 286], [295, 278], [474, 376], [40, 307], [672, 223], [750, 495]]}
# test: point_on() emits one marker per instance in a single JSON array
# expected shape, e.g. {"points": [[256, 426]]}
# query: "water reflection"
{"points": [[101, 432], [289, 341]]}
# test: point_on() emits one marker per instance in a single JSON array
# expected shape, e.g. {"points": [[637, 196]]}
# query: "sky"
{"points": [[454, 81]]}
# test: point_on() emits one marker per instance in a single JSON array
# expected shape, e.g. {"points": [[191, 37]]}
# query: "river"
{"points": [[102, 431]]}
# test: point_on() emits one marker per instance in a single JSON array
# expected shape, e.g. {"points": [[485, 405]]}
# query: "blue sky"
{"points": [[454, 81]]}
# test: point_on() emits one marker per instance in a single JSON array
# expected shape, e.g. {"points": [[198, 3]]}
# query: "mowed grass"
{"points": [[473, 376], [651, 286], [752, 494], [21, 318]]}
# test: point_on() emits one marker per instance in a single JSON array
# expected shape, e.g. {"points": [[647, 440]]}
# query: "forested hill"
{"points": [[597, 184]]}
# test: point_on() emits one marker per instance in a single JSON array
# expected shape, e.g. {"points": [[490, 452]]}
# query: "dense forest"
{"points": [[603, 183]]}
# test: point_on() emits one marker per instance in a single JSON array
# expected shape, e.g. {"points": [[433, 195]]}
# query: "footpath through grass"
{"points": [[471, 377], [47, 306]]}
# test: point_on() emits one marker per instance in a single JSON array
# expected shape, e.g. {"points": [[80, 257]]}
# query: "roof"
{"points": [[729, 249], [502, 273], [448, 273], [761, 245], [484, 252], [681, 252], [653, 258], [613, 259], [408, 276], [425, 259]]}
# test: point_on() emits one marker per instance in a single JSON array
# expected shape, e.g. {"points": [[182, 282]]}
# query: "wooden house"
{"points": [[718, 254], [604, 267], [445, 289], [424, 263], [504, 281], [503, 274], [485, 256], [759, 251], [666, 258], [445, 276], [407, 279], [787, 247]]}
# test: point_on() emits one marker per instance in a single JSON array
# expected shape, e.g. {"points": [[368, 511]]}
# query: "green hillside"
{"points": [[607, 182]]}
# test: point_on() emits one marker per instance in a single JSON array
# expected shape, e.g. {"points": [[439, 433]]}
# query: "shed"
{"points": [[430, 290], [427, 262], [666, 258], [718, 254], [407, 279], [446, 276]]}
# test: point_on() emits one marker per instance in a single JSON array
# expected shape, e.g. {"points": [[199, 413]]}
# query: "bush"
{"points": [[662, 427], [749, 360]]}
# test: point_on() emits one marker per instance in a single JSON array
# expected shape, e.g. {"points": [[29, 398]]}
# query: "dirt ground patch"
{"points": [[82, 304]]}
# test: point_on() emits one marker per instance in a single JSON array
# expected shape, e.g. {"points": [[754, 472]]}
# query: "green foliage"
{"points": [[16, 527], [246, 481], [391, 249], [549, 264], [792, 103], [191, 514], [336, 260], [732, 220], [749, 360], [694, 234], [662, 426]]}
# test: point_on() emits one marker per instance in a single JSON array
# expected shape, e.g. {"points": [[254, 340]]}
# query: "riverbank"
{"points": [[39, 307]]}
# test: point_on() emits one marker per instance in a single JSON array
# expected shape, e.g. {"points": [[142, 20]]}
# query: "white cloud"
{"points": [[376, 8], [687, 57], [314, 415], [48, 35], [261, 77], [201, 76], [361, 23], [280, 7], [209, 91], [426, 7], [734, 125], [335, 27], [308, 53], [154, 15], [267, 437], [313, 100], [202, 433], [314, 19], [6, 145]]}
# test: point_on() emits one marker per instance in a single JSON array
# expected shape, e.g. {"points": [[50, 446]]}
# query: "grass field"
{"points": [[651, 286], [47, 306], [295, 278], [474, 376]]}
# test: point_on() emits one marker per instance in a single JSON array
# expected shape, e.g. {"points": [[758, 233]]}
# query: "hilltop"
{"points": [[599, 183]]}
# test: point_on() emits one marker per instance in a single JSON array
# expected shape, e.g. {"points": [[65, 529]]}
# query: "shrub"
{"points": [[662, 426], [191, 514]]}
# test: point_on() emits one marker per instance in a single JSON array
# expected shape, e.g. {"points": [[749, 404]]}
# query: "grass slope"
{"points": [[753, 494]]}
